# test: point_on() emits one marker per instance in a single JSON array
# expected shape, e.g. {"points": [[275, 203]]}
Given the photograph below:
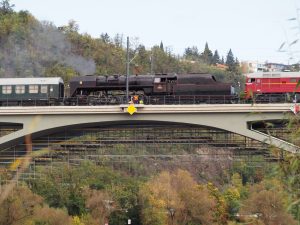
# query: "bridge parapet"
{"points": [[203, 108]]}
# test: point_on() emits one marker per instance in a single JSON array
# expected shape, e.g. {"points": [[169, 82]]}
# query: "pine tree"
{"points": [[191, 53], [216, 58], [222, 60], [207, 55], [6, 7], [105, 38], [230, 62], [237, 64], [161, 46]]}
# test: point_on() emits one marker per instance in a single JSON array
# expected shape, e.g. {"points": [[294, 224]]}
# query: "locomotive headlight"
{"points": [[80, 82]]}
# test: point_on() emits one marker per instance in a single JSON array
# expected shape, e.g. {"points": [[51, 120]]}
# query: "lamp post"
{"points": [[128, 61], [127, 72]]}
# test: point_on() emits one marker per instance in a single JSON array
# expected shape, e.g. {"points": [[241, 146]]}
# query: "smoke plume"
{"points": [[29, 53]]}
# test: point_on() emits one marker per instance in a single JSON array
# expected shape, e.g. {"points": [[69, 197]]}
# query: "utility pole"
{"points": [[151, 62], [127, 74]]}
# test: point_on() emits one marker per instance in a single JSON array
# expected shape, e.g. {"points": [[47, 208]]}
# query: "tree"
{"points": [[237, 64], [289, 171], [230, 62], [99, 203], [47, 215], [105, 38], [118, 40], [142, 61], [267, 201], [164, 62], [175, 199], [19, 206], [207, 55], [233, 64], [222, 60], [219, 210], [191, 53], [6, 7], [161, 46], [216, 58]]}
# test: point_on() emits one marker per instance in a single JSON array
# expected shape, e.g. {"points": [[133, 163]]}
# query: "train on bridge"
{"points": [[152, 89]]}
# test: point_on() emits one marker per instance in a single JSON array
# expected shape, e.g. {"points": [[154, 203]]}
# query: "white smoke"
{"points": [[29, 53]]}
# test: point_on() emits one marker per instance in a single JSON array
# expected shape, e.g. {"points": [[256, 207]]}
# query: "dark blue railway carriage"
{"points": [[31, 91]]}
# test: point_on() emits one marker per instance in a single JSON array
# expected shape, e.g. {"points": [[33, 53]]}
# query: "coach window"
{"points": [[6, 89], [20, 89], [44, 89], [251, 80], [33, 89]]}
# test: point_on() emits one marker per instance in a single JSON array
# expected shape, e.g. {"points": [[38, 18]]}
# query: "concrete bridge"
{"points": [[235, 118]]}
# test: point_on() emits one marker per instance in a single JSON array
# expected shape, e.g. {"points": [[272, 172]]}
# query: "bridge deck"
{"points": [[202, 108]]}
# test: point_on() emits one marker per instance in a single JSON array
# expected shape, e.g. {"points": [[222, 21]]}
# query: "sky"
{"points": [[253, 29]]}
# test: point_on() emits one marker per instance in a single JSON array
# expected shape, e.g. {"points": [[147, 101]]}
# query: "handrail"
{"points": [[147, 100], [297, 148]]}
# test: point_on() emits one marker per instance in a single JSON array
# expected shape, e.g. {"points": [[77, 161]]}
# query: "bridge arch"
{"points": [[42, 121]]}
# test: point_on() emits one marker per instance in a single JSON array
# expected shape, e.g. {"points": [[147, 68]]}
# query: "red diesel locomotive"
{"points": [[273, 86]]}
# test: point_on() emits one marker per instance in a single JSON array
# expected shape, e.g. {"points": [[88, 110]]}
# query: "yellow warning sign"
{"points": [[131, 109]]}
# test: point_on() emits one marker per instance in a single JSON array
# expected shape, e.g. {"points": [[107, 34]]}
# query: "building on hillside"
{"points": [[253, 67], [221, 66], [273, 67]]}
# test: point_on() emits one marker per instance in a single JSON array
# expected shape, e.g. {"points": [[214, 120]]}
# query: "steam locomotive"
{"points": [[97, 90], [157, 88]]}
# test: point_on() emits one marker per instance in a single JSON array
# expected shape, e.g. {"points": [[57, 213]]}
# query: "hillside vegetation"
{"points": [[29, 47]]}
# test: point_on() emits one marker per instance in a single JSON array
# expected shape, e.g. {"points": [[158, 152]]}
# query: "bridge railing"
{"points": [[147, 100]]}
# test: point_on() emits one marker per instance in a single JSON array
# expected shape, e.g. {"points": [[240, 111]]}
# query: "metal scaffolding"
{"points": [[143, 143]]}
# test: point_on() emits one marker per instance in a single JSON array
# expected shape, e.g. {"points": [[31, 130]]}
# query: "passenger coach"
{"points": [[39, 91]]}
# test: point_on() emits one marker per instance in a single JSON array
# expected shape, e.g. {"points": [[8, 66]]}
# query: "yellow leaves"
{"points": [[77, 221], [232, 194], [181, 193], [237, 181], [15, 164], [160, 203]]}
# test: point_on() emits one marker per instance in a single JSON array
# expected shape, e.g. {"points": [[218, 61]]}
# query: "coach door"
{"points": [[258, 84]]}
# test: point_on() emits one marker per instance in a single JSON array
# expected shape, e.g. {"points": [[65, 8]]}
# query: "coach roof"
{"points": [[273, 75], [31, 80]]}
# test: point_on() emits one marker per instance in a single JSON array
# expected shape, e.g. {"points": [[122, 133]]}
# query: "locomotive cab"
{"points": [[164, 83]]}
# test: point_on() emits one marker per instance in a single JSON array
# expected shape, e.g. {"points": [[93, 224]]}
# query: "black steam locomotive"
{"points": [[152, 88], [97, 90]]}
